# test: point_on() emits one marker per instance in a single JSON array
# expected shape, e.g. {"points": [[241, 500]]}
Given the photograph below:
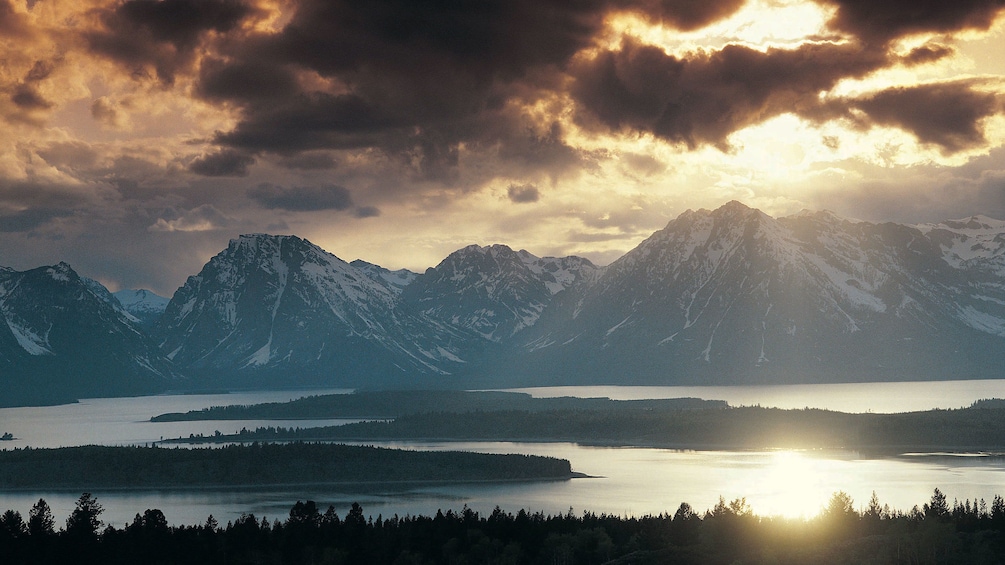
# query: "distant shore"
{"points": [[681, 424]]}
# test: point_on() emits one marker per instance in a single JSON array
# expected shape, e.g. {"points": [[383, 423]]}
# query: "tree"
{"points": [[874, 511], [12, 525], [305, 514], [938, 507], [40, 521], [83, 521], [840, 506]]}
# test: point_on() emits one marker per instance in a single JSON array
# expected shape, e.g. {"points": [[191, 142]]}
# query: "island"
{"points": [[236, 466], [678, 423]]}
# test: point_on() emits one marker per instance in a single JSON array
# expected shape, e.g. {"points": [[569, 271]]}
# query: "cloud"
{"points": [[201, 218], [884, 21], [313, 161], [702, 99], [226, 163], [13, 23], [107, 113], [302, 198], [29, 219], [418, 81], [688, 15], [366, 212], [948, 114], [523, 193], [163, 35]]}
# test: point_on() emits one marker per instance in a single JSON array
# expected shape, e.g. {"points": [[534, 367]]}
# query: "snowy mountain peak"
{"points": [[270, 302], [493, 290], [61, 271]]}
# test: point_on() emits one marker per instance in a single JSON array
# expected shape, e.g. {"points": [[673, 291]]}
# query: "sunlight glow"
{"points": [[792, 485], [759, 24]]}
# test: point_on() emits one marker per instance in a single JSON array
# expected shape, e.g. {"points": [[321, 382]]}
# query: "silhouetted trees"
{"points": [[965, 532]]}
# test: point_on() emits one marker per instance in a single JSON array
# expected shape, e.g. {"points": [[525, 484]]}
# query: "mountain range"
{"points": [[728, 296]]}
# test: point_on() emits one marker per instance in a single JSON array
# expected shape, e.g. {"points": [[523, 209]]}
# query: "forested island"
{"points": [[968, 532], [392, 404], [684, 423], [97, 467]]}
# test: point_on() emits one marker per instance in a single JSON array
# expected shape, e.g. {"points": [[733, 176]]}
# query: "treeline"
{"points": [[392, 404], [94, 467], [729, 533], [743, 427]]}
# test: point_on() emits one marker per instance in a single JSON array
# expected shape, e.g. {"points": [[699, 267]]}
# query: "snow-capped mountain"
{"points": [[61, 338], [973, 244], [396, 281], [716, 297], [282, 309], [142, 304], [735, 296], [493, 291]]}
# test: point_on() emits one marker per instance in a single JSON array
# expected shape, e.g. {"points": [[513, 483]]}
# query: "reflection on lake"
{"points": [[624, 481]]}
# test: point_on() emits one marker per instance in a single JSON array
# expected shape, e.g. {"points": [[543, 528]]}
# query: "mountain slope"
{"points": [[60, 339], [735, 296], [493, 291], [279, 310], [142, 304]]}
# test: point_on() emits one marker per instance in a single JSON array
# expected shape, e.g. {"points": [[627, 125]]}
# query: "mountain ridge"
{"points": [[724, 296]]}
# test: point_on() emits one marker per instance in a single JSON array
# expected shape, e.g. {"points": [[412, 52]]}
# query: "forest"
{"points": [[392, 404], [97, 467], [968, 532], [980, 427]]}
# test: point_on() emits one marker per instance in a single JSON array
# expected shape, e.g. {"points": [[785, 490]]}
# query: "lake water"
{"points": [[624, 481]]}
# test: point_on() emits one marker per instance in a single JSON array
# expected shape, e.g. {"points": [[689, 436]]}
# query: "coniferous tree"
{"points": [[40, 520]]}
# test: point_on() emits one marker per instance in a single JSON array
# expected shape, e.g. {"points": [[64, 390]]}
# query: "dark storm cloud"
{"points": [[28, 206], [879, 22], [702, 99], [30, 219], [226, 163], [523, 193], [421, 78], [302, 198], [308, 162], [947, 115], [687, 15], [927, 54], [162, 34], [245, 81]]}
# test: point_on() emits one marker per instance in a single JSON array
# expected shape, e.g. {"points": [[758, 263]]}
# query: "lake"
{"points": [[624, 481]]}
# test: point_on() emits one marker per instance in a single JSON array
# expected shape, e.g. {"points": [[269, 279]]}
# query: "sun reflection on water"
{"points": [[792, 485]]}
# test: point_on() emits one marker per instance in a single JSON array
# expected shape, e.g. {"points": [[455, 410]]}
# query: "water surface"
{"points": [[625, 481]]}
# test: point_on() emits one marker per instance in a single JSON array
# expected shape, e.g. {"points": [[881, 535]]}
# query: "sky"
{"points": [[138, 137]]}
